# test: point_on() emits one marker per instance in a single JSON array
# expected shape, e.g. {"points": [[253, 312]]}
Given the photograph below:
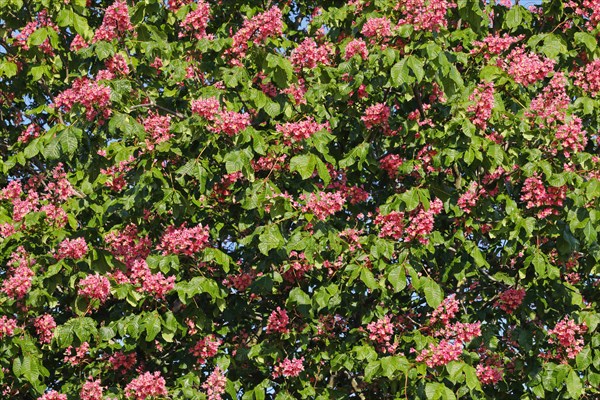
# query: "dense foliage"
{"points": [[285, 199]]}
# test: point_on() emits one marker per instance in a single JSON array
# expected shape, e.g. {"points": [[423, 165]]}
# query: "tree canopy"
{"points": [[299, 200]]}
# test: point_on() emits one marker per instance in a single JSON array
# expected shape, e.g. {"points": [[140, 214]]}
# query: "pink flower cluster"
{"points": [[571, 136], [459, 331], [377, 28], [196, 22], [298, 267], [182, 240], [278, 321], [445, 311], [41, 20], [536, 195], [72, 248], [288, 368], [78, 43], [116, 174], [441, 353], [589, 10], [223, 121], [425, 15], [421, 222], [19, 282], [31, 132], [7, 326], [157, 126], [390, 164], [297, 131], [155, 284], [377, 115], [81, 353], [53, 395], [215, 385], [92, 96], [91, 390], [568, 336], [356, 46], [206, 348], [44, 327], [551, 105], [257, 29], [494, 45], [488, 374], [241, 281], [146, 385], [309, 54], [510, 299], [588, 78], [127, 245], [527, 68], [391, 225], [323, 204], [116, 22], [95, 287], [121, 361], [468, 200], [483, 96], [381, 332]]}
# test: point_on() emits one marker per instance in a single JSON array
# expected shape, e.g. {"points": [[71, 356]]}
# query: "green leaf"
{"points": [[574, 385], [270, 239], [397, 277], [433, 293], [586, 39], [372, 369], [416, 66], [152, 323], [304, 164]]}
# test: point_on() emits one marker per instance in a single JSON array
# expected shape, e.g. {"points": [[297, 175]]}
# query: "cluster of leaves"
{"points": [[360, 164]]}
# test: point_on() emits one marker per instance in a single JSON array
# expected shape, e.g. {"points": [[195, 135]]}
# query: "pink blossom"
{"points": [[323, 204], [567, 335], [206, 348], [381, 332], [196, 22], [31, 132], [72, 248], [391, 225], [17, 285], [288, 368], [117, 65], [146, 385], [488, 374], [445, 311], [309, 54], [510, 299], [588, 78], [53, 395], [590, 11], [440, 354], [537, 195], [115, 23], [425, 15], [81, 353], [527, 68], [127, 244], [483, 96], [376, 115], [551, 105], [297, 131], [7, 229], [468, 200], [421, 222], [121, 361], [7, 326], [215, 385], [95, 287], [356, 46], [230, 122], [297, 91], [571, 136], [257, 29], [206, 108], [41, 20], [78, 43], [495, 44], [182, 240], [459, 331], [157, 127], [378, 28], [390, 164], [44, 327], [92, 96], [91, 390], [278, 321]]}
